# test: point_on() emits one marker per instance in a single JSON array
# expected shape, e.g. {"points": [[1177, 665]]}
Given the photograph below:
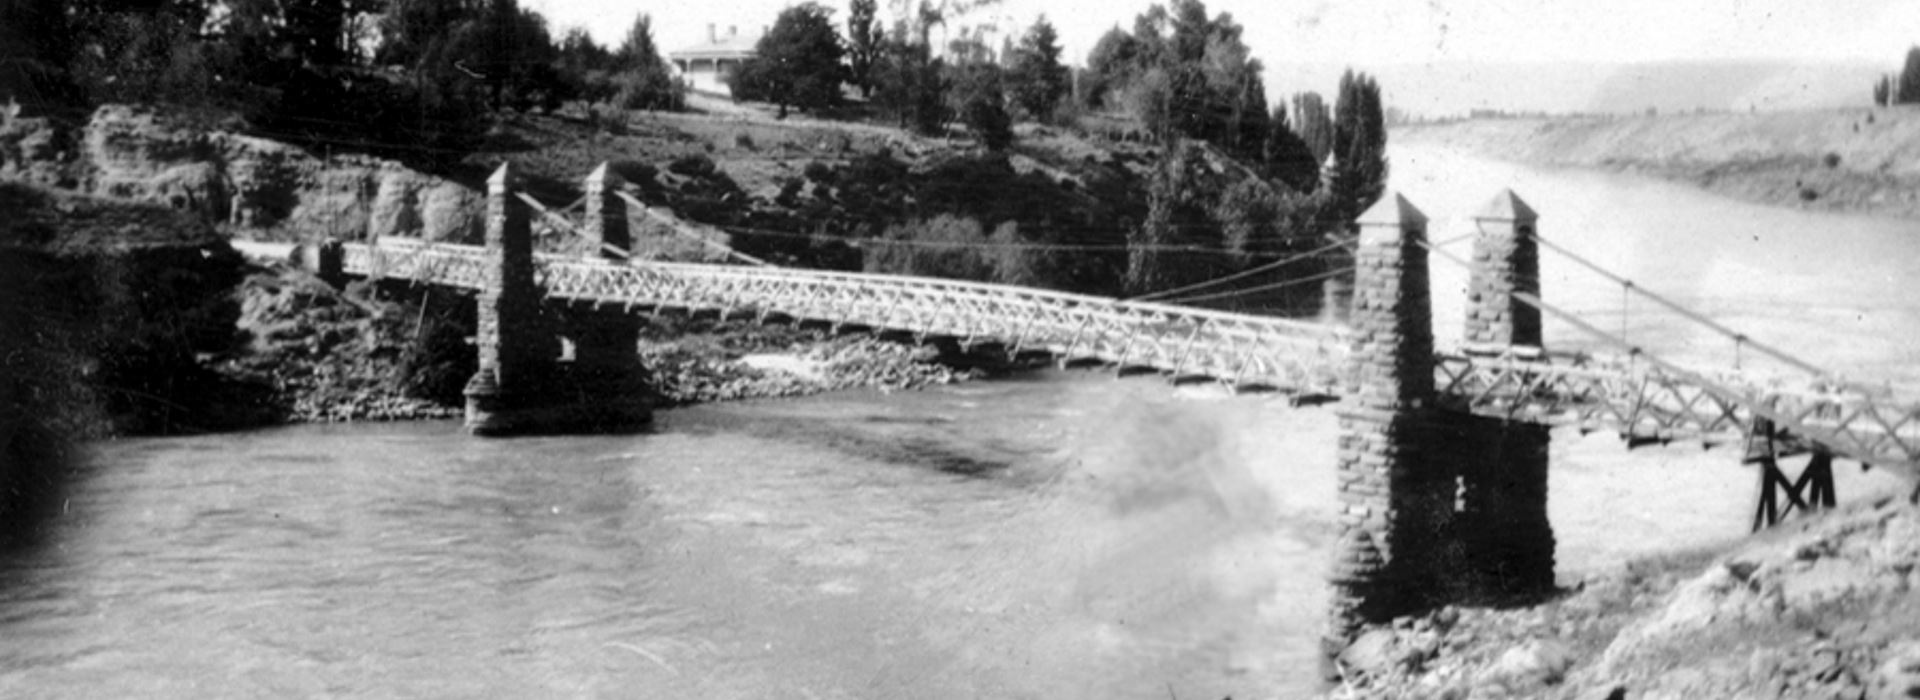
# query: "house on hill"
{"points": [[709, 66]]}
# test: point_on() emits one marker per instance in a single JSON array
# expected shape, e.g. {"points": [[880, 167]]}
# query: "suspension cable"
{"points": [[1261, 288], [1241, 274], [1627, 284], [675, 225]]}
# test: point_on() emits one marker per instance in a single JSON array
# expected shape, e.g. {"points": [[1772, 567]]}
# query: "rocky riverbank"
{"points": [[391, 351], [1820, 608], [703, 361]]}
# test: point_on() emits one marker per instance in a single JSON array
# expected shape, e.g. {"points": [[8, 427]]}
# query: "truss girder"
{"points": [[1281, 353], [1646, 402]]}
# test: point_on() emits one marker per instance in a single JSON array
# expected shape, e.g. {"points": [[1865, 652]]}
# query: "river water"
{"points": [[1834, 290], [1059, 535]]}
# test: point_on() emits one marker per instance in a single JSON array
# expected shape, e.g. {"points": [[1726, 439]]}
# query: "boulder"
{"points": [[1899, 676], [1530, 667], [454, 214]]}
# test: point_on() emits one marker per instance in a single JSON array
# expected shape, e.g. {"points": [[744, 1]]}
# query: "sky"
{"points": [[1308, 41]]}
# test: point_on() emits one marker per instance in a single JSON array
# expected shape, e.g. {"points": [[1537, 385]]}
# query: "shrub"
{"points": [[1832, 160], [695, 165], [818, 172], [948, 246], [633, 171]]}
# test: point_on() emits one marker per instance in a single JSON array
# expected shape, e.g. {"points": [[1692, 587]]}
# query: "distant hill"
{"points": [[1856, 159], [1447, 89]]}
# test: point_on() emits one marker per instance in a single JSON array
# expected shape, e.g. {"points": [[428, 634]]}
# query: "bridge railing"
{"points": [[1649, 400], [1235, 348], [1184, 341]]}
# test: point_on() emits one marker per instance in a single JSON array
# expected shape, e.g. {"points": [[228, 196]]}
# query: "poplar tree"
{"points": [[863, 44], [1315, 125], [1907, 91], [1360, 144], [1288, 157]]}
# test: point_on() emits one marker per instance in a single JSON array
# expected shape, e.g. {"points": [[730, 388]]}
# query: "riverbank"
{"points": [[1816, 608], [1845, 160]]}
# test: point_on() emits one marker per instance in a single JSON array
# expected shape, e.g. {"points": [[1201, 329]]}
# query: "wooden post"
{"points": [[1814, 489]]}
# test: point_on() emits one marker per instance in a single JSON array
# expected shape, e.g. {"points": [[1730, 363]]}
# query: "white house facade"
{"points": [[708, 66]]}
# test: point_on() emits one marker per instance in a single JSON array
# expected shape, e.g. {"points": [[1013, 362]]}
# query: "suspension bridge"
{"points": [[1443, 450]]}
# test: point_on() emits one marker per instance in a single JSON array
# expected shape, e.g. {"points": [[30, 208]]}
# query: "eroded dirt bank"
{"points": [[1853, 160]]}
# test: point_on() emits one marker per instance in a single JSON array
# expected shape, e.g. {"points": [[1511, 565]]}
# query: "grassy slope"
{"points": [[1852, 160]]}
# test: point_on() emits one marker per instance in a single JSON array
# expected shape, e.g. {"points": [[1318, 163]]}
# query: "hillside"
{"points": [[1852, 160], [1444, 88]]}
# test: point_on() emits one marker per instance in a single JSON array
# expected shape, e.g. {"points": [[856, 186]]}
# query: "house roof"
{"points": [[734, 46]]}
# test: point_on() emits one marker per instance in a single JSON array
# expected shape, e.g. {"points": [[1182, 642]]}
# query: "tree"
{"points": [[1883, 92], [980, 100], [863, 44], [1234, 99], [1184, 74], [1315, 125], [1110, 65], [587, 66], [1178, 201], [797, 64], [1036, 79], [1360, 141], [1907, 90], [1288, 157], [642, 79], [37, 48], [909, 83]]}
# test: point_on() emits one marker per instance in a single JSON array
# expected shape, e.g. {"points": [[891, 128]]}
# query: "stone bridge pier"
{"points": [[544, 368], [1436, 506]]}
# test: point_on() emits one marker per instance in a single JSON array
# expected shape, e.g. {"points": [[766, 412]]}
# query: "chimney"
{"points": [[713, 33]]}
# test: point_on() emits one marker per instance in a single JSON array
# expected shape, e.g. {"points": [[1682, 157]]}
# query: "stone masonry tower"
{"points": [[516, 348], [1393, 508], [606, 357], [1503, 534], [1506, 259]]}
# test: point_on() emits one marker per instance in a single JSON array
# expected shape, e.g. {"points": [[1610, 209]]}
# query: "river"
{"points": [[1834, 290], [1058, 535]]}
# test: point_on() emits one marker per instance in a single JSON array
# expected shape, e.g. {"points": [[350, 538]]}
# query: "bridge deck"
{"points": [[1639, 399]]}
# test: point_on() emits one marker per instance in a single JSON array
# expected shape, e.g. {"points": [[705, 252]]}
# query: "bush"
{"points": [[695, 165], [818, 172], [1832, 160], [649, 88], [633, 171], [948, 246]]}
